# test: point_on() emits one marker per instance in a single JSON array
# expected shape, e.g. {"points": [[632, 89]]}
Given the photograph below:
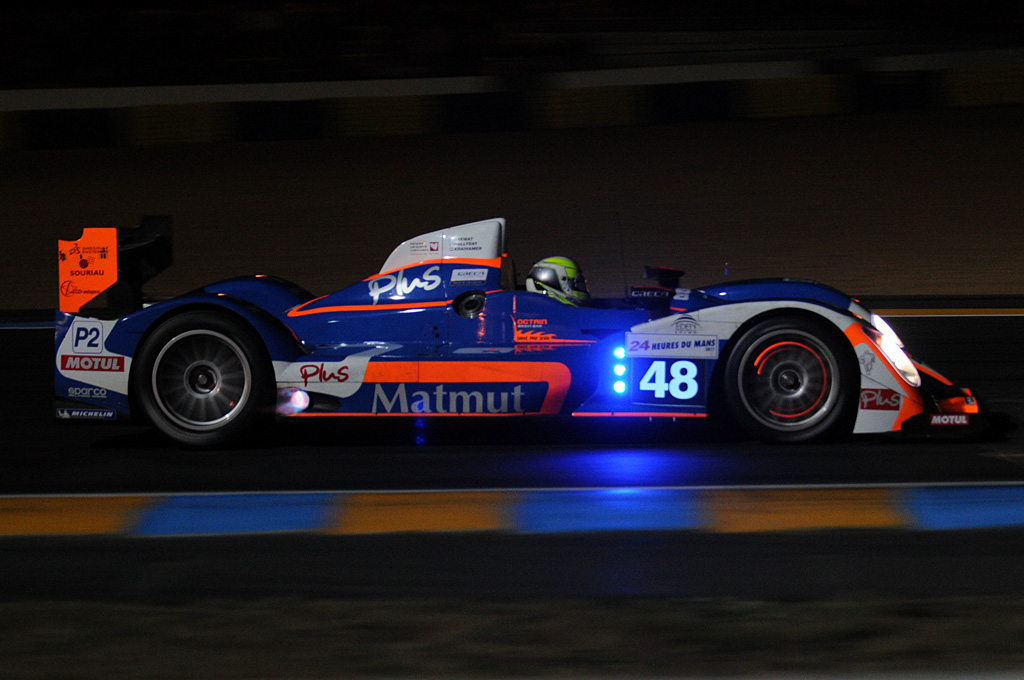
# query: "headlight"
{"points": [[892, 347], [883, 326]]}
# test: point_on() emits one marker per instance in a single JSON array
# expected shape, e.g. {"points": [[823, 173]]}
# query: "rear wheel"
{"points": [[202, 378], [790, 379]]}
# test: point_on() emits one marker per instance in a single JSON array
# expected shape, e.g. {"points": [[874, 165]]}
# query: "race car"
{"points": [[445, 329]]}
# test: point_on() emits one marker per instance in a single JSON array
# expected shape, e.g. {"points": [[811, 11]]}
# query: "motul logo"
{"points": [[950, 419], [880, 400], [71, 362]]}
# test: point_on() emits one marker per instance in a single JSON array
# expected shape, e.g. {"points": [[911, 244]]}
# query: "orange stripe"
{"points": [[743, 510], [941, 378], [75, 515], [403, 415], [556, 375], [298, 311], [414, 512], [658, 414], [953, 311]]}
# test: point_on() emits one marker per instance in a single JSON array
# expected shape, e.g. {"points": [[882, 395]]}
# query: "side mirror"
{"points": [[468, 305]]}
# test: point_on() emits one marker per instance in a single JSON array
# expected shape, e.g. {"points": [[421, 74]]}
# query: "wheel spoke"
{"points": [[788, 382], [200, 379]]}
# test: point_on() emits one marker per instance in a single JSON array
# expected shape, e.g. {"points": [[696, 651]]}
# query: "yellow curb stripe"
{"points": [[406, 512], [38, 516], [742, 510]]}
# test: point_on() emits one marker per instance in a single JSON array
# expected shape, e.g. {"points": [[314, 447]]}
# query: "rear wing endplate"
{"points": [[102, 272]]}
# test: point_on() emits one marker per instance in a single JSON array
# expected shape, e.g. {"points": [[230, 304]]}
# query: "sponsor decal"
{"points": [[321, 373], [87, 392], [533, 336], [528, 330], [397, 399], [74, 362], [463, 244], [664, 345], [87, 337], [685, 326], [86, 267], [422, 247], [880, 400], [867, 363], [682, 294], [399, 285], [680, 382], [468, 276], [85, 260], [649, 292], [954, 419], [70, 289], [85, 414]]}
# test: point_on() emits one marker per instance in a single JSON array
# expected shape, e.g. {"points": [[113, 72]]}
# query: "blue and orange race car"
{"points": [[445, 329]]}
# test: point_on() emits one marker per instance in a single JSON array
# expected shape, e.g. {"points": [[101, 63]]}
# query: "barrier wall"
{"points": [[85, 118]]}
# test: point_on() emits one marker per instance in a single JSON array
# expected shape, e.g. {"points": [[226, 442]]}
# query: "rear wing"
{"points": [[102, 273]]}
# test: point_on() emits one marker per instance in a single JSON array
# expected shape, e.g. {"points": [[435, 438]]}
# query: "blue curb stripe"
{"points": [[607, 510], [241, 513], [966, 507]]}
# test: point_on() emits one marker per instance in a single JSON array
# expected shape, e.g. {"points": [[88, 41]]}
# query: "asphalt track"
{"points": [[45, 457]]}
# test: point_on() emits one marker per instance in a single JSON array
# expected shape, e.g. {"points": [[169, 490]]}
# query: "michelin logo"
{"points": [[85, 414]]}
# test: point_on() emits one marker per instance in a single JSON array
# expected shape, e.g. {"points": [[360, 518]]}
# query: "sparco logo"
{"points": [[880, 400], [950, 419], [104, 363], [95, 392]]}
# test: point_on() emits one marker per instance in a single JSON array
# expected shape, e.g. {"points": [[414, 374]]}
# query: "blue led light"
{"points": [[620, 370], [619, 386], [620, 352]]}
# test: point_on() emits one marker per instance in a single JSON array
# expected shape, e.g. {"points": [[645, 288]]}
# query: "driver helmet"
{"points": [[559, 277]]}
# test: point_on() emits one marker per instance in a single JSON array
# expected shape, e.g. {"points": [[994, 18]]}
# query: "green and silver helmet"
{"points": [[559, 277]]}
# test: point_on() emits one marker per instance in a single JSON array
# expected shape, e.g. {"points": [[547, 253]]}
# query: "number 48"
{"points": [[682, 385]]}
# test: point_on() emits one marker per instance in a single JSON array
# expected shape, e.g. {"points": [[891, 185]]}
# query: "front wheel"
{"points": [[201, 378], [790, 379]]}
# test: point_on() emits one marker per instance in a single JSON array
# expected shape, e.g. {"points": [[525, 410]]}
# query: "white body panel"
{"points": [[479, 240], [881, 393], [82, 355]]}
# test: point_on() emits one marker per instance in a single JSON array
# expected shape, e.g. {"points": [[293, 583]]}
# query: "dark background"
{"points": [[870, 145], [49, 45]]}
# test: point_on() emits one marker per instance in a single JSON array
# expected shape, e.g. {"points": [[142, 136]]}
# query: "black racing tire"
{"points": [[791, 379], [202, 378]]}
